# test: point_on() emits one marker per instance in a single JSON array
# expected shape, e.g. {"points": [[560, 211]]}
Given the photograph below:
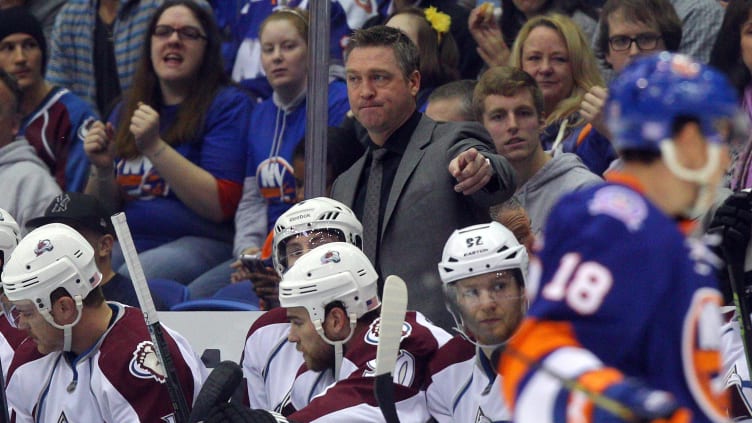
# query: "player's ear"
{"points": [[337, 324], [64, 310]]}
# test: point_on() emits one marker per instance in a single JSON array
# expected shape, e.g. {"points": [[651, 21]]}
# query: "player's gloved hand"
{"points": [[636, 402], [733, 222], [230, 412]]}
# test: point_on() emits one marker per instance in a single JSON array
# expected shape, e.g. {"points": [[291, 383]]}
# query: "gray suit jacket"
{"points": [[423, 209]]}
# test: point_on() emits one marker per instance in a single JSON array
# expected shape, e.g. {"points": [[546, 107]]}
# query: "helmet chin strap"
{"points": [[701, 176], [336, 344], [67, 329]]}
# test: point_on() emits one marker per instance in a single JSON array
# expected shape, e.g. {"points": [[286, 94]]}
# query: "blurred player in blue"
{"points": [[626, 306]]}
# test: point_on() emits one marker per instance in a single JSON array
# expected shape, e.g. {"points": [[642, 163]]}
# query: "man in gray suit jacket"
{"points": [[437, 177]]}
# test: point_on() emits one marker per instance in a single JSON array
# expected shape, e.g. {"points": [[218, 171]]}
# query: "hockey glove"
{"points": [[238, 413], [646, 405], [733, 221]]}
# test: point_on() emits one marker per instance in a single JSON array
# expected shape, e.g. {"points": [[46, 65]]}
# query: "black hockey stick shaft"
{"points": [[5, 415], [151, 318], [741, 301]]}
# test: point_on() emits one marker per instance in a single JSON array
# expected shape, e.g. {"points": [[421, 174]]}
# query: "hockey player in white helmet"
{"points": [[269, 360], [483, 269], [330, 296], [311, 223], [85, 358], [10, 337], [9, 236]]}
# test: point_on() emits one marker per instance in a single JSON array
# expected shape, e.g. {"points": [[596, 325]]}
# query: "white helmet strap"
{"points": [[699, 176], [67, 329], [338, 351]]}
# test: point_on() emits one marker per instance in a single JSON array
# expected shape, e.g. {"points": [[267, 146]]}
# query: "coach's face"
{"points": [[381, 97], [317, 354]]}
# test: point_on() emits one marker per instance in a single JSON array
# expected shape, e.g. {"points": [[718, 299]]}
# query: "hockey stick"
{"points": [[393, 308], [150, 317], [4, 416], [740, 294]]}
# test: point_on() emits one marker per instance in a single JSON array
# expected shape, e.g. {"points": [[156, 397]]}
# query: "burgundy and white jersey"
{"points": [[737, 376], [463, 386], [10, 339], [270, 363], [351, 398], [119, 379]]}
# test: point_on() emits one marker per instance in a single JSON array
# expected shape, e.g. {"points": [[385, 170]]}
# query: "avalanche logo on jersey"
{"points": [[42, 246], [622, 204], [145, 364], [139, 179], [276, 180], [701, 341], [372, 334]]}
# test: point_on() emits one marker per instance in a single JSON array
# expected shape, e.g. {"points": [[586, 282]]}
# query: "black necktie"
{"points": [[372, 204]]}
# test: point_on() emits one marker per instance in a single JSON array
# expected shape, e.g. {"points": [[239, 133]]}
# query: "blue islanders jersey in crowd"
{"points": [[56, 129], [618, 292], [346, 16], [155, 214], [274, 136]]}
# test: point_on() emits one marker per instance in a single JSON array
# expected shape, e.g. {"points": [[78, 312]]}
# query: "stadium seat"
{"points": [[234, 297], [169, 292]]}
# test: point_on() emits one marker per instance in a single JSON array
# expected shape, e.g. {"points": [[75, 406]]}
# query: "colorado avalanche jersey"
{"points": [[351, 398], [119, 379], [270, 362], [57, 129], [619, 291], [463, 386], [737, 377], [10, 339]]}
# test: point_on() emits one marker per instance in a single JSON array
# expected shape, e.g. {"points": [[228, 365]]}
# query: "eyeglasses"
{"points": [[185, 33], [644, 42]]}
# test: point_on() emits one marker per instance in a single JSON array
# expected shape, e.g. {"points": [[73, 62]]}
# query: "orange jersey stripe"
{"points": [[533, 341]]}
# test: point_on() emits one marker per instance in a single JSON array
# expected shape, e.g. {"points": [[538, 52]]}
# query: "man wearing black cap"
{"points": [[55, 121], [87, 215]]}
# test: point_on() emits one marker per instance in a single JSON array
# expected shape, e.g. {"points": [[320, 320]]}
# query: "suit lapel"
{"points": [[410, 160], [350, 181]]}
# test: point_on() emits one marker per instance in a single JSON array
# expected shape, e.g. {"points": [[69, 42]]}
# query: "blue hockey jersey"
{"points": [[619, 292]]}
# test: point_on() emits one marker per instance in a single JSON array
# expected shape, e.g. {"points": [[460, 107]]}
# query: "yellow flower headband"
{"points": [[440, 22]]}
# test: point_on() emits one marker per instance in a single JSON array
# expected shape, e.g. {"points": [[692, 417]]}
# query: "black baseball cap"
{"points": [[75, 208]]}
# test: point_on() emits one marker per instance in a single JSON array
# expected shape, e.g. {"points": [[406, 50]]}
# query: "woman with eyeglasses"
{"points": [[172, 155], [277, 126]]}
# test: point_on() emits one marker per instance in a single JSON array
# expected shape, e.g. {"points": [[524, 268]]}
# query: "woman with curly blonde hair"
{"points": [[554, 51]]}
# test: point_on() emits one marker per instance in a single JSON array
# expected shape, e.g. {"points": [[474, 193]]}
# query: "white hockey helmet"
{"points": [[320, 213], [479, 249], [9, 236], [337, 271], [50, 257]]}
